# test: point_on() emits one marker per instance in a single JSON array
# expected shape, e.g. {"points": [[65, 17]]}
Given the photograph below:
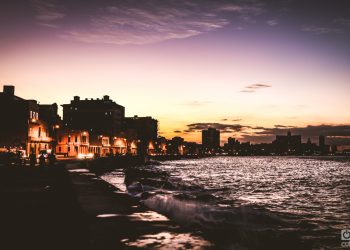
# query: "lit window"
{"points": [[30, 114], [105, 141]]}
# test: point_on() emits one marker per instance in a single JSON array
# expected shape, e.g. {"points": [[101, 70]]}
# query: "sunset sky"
{"points": [[251, 68]]}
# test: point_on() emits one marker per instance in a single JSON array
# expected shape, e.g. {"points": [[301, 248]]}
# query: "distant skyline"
{"points": [[251, 68]]}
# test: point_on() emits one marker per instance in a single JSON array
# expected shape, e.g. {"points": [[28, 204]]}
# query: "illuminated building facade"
{"points": [[38, 137], [72, 143], [176, 146], [21, 126]]}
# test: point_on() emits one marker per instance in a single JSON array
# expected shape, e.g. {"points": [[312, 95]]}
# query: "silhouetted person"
{"points": [[18, 159], [32, 159], [42, 160], [52, 160]]}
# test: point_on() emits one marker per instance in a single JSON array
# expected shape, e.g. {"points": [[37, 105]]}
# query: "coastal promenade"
{"points": [[69, 207]]}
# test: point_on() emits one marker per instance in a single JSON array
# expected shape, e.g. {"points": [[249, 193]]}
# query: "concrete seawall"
{"points": [[69, 207]]}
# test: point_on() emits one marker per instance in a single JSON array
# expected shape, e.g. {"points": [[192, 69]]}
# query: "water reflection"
{"points": [[149, 216], [168, 240]]}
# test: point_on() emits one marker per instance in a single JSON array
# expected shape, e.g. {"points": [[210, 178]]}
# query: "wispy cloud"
{"points": [[233, 120], [254, 87], [272, 22], [152, 21], [319, 30], [342, 21], [237, 120], [47, 12]]}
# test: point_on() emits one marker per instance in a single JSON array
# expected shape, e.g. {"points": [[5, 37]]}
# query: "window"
{"points": [[83, 139], [76, 138], [30, 114], [68, 139], [105, 141], [39, 131], [59, 138], [59, 149], [68, 149], [76, 149]]}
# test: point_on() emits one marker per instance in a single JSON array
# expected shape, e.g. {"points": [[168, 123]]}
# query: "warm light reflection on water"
{"points": [[149, 216], [168, 240]]}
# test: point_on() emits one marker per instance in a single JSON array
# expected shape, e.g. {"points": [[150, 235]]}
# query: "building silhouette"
{"points": [[288, 144], [21, 127], [145, 127], [49, 114], [98, 116], [211, 139], [146, 131]]}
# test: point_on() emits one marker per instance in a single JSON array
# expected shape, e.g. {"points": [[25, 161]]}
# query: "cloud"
{"points": [[336, 134], [310, 130], [342, 21], [272, 22], [224, 128], [151, 21], [177, 131], [233, 120], [254, 87], [48, 12], [282, 126], [317, 30]]}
